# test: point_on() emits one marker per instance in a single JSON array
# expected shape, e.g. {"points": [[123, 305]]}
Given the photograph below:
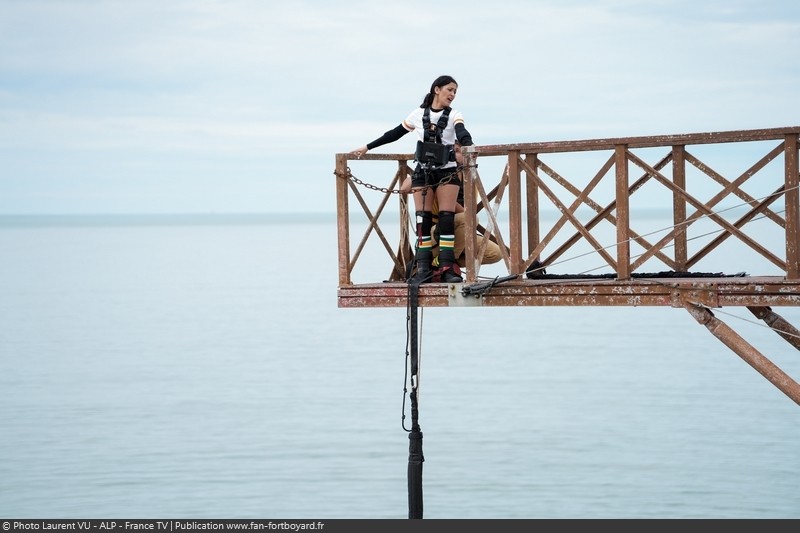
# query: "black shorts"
{"points": [[435, 176]]}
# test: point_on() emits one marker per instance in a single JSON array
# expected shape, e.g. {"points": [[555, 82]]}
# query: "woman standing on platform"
{"points": [[439, 127]]}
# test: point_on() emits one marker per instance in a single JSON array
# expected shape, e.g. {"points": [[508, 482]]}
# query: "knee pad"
{"points": [[446, 222], [424, 222]]}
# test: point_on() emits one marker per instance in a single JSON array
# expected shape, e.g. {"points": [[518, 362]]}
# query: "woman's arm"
{"points": [[463, 136], [388, 137]]}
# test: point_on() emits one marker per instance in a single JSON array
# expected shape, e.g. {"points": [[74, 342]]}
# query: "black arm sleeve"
{"points": [[463, 136], [388, 137]]}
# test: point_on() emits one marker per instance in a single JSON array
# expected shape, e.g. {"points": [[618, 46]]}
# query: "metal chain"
{"points": [[445, 180]]}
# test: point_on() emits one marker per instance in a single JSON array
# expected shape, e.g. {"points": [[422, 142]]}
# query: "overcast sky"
{"points": [[240, 106]]}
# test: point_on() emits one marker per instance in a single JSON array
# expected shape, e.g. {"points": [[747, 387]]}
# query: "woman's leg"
{"points": [[446, 197], [423, 202]]}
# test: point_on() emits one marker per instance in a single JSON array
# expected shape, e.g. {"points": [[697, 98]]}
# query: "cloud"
{"points": [[283, 87]]}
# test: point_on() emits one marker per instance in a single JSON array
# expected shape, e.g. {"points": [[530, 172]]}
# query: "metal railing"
{"points": [[553, 200]]}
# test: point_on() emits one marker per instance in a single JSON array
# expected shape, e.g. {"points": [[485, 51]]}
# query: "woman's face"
{"points": [[444, 96]]}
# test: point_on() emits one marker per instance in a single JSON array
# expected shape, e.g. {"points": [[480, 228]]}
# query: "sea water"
{"points": [[200, 368]]}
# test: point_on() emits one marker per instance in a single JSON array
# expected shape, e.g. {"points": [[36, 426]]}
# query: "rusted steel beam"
{"points": [[623, 212], [405, 248], [746, 351], [348, 300], [641, 142], [470, 178], [373, 220], [342, 219], [603, 213], [706, 211], [679, 206], [734, 187], [778, 324], [392, 295], [568, 215], [515, 212], [371, 156], [792, 207], [732, 292], [532, 207]]}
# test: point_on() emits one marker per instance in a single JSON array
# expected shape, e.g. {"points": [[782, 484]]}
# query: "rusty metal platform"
{"points": [[713, 205], [651, 291], [717, 198]]}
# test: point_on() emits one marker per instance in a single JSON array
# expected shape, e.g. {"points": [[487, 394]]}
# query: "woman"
{"points": [[439, 127]]}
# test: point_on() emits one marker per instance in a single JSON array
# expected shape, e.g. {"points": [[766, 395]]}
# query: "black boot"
{"points": [[424, 273], [446, 261]]}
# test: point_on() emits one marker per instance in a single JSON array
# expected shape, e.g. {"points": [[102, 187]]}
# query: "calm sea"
{"points": [[200, 368]]}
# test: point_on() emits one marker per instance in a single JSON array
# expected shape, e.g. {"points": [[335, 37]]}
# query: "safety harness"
{"points": [[431, 151]]}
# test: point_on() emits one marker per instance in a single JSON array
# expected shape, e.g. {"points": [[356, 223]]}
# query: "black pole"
{"points": [[415, 460], [415, 457]]}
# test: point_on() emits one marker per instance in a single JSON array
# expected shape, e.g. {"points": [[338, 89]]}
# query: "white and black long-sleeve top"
{"points": [[455, 131]]}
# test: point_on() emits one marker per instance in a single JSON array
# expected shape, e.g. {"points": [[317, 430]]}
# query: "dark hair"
{"points": [[441, 81]]}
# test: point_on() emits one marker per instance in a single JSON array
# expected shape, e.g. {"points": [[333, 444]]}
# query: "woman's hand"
{"points": [[358, 152]]}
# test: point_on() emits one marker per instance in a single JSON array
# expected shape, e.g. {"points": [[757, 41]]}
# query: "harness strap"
{"points": [[434, 133]]}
